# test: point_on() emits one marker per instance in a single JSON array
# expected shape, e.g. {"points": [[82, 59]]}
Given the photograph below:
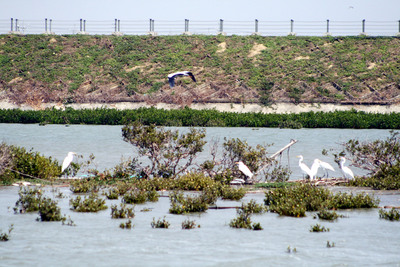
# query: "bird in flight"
{"points": [[172, 76]]}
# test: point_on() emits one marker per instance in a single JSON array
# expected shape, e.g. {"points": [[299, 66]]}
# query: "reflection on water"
{"points": [[96, 240], [106, 144]]}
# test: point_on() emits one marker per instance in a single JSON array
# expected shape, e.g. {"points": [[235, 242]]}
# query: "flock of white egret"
{"points": [[312, 173]]}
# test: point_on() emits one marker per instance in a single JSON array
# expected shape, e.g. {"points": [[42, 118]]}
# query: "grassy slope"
{"points": [[108, 68]]}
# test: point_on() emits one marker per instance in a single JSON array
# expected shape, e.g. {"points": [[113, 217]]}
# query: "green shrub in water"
{"points": [[391, 215], [126, 225], [122, 212], [296, 200], [160, 223], [243, 220], [6, 236], [181, 204], [29, 200], [230, 193], [49, 211], [318, 228], [84, 186], [189, 224], [91, 203]]}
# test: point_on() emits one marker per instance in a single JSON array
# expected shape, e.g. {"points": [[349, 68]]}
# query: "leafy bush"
{"points": [[195, 181], [138, 196], [391, 215], [23, 164], [6, 236], [296, 200], [160, 223], [29, 200], [243, 220], [318, 228], [91, 203], [168, 152], [83, 186], [230, 193], [327, 215], [112, 193], [122, 212], [181, 204], [49, 211], [126, 225], [189, 224]]}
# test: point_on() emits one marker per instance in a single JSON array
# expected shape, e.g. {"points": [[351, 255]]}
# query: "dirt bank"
{"points": [[239, 108]]}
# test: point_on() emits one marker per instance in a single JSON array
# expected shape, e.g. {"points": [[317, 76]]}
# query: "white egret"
{"points": [[326, 166], [304, 167], [67, 161], [345, 170], [172, 76], [244, 169], [314, 169]]}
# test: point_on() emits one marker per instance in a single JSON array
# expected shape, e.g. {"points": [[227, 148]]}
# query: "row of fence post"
{"points": [[117, 25]]}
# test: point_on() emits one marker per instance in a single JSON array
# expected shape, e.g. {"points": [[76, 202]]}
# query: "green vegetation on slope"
{"points": [[296, 69]]}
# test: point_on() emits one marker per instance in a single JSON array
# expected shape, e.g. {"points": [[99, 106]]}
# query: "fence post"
{"points": [[117, 30], [186, 32], [256, 28], [16, 25], [119, 26], [45, 25], [84, 26], [221, 27], [80, 25], [50, 26], [327, 28], [115, 25], [398, 33], [363, 28], [292, 33], [151, 31], [12, 25]]}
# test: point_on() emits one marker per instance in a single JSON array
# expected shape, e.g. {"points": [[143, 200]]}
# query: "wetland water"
{"points": [[361, 239]]}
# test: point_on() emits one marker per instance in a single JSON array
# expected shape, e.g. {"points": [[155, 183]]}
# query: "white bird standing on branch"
{"points": [[326, 166], [67, 161], [345, 170], [314, 169], [244, 169], [304, 167], [172, 76]]}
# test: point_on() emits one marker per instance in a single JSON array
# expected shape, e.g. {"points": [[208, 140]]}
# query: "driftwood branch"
{"points": [[292, 142]]}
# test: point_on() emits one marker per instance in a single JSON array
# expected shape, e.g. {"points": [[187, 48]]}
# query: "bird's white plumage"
{"points": [[172, 76], [244, 169], [67, 161], [314, 169], [304, 167], [345, 170]]}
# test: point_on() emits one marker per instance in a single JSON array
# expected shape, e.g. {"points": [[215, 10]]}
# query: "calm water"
{"points": [[106, 144], [362, 239]]}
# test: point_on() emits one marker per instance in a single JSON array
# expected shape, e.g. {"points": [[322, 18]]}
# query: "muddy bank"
{"points": [[227, 107]]}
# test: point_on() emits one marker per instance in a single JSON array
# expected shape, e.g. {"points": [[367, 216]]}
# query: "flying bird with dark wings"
{"points": [[172, 76]]}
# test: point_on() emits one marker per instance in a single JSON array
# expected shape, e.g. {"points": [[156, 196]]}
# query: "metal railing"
{"points": [[166, 27]]}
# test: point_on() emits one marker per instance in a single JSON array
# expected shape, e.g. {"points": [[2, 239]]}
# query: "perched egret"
{"points": [[314, 169], [326, 166], [244, 169], [345, 170], [304, 167], [172, 76], [67, 161]]}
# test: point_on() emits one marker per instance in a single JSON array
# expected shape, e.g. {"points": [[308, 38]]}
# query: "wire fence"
{"points": [[175, 27]]}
